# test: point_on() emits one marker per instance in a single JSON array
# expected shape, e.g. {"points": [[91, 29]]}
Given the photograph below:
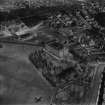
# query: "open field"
{"points": [[21, 81]]}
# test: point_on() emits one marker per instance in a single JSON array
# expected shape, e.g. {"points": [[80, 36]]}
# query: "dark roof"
{"points": [[56, 45]]}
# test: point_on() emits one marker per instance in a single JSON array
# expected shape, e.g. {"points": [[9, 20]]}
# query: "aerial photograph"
{"points": [[52, 52]]}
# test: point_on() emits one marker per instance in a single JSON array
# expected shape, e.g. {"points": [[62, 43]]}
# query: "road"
{"points": [[19, 43]]}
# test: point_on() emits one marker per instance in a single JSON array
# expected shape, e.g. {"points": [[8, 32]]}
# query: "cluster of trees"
{"points": [[38, 3]]}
